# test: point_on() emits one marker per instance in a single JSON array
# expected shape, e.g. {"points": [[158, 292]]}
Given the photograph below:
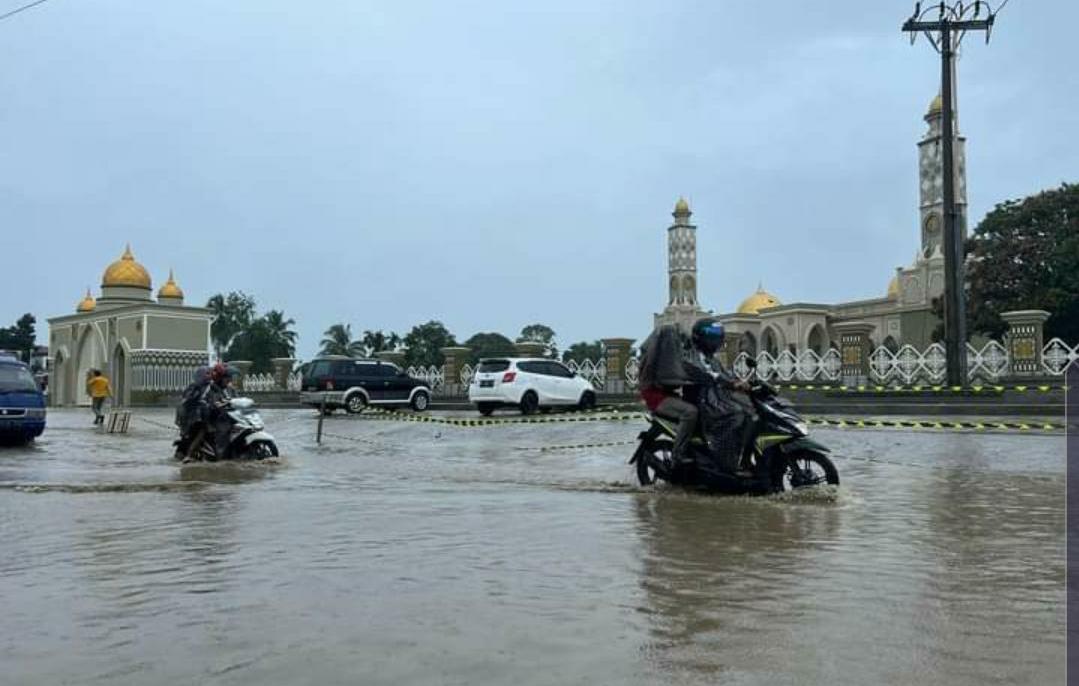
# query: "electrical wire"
{"points": [[21, 9]]}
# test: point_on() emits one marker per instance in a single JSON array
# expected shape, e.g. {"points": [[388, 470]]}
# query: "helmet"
{"points": [[219, 372], [707, 335]]}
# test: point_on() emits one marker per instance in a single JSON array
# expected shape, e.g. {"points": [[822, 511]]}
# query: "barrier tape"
{"points": [[920, 389], [606, 416], [845, 423]]}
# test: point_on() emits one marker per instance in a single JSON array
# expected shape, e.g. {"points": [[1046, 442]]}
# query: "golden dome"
{"points": [[935, 106], [87, 304], [126, 272], [757, 302], [170, 289], [681, 207], [893, 288]]}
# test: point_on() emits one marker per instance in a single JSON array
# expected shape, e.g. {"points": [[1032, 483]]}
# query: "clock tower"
{"points": [[682, 306], [931, 182]]}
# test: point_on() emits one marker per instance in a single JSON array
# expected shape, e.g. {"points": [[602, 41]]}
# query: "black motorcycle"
{"points": [[780, 454], [247, 437]]}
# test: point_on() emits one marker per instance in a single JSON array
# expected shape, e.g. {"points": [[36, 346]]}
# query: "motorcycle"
{"points": [[247, 439], [780, 455]]}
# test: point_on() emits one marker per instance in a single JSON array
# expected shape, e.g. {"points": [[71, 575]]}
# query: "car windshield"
{"points": [[16, 380], [488, 366]]}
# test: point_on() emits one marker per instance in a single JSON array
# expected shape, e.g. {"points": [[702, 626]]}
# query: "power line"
{"points": [[21, 9]]}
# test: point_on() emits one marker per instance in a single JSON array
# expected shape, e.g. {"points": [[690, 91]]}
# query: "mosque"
{"points": [[901, 315], [145, 346]]}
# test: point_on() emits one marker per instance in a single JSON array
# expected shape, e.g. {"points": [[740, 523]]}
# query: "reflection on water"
{"points": [[406, 556]]}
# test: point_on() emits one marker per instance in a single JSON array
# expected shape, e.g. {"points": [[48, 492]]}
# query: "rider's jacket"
{"points": [[213, 395]]}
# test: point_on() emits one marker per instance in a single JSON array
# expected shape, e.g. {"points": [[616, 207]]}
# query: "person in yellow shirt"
{"points": [[99, 389]]}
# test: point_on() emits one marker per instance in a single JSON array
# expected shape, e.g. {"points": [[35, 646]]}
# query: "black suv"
{"points": [[353, 384]]}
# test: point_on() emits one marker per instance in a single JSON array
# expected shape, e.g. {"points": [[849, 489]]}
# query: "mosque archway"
{"points": [[771, 341], [119, 375], [90, 355], [748, 344], [815, 341]]}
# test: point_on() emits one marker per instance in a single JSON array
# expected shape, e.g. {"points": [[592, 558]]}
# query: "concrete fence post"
{"points": [[617, 352], [240, 369], [1025, 341], [456, 357], [854, 351], [529, 349], [282, 369]]}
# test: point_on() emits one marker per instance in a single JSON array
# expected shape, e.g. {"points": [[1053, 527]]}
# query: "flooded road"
{"points": [[400, 553]]}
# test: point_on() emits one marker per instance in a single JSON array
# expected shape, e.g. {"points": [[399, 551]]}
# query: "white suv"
{"points": [[529, 384]]}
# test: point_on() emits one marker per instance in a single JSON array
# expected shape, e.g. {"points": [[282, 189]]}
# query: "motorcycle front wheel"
{"points": [[260, 450], [654, 461], [804, 469]]}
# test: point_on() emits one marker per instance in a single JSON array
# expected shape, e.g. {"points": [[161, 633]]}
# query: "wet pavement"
{"points": [[403, 553]]}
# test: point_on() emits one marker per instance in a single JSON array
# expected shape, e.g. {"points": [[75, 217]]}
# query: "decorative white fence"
{"points": [[160, 378], [467, 372], [593, 372], [432, 375], [1057, 356], [267, 383]]}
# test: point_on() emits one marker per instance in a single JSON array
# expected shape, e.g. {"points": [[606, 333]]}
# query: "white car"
{"points": [[529, 384]]}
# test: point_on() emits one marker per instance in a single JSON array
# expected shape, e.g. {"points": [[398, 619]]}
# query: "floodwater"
{"points": [[403, 553]]}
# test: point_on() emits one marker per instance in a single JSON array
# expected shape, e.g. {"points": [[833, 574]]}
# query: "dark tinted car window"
{"points": [[366, 369], [534, 368], [321, 368], [557, 369], [385, 370], [14, 379], [489, 366], [343, 368]]}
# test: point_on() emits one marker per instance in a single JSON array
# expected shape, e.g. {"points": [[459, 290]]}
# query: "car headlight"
{"points": [[35, 413]]}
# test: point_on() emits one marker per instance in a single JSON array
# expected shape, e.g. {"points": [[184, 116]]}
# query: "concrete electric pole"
{"points": [[945, 26]]}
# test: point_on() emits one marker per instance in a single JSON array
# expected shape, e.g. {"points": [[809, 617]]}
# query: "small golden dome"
{"points": [[757, 302], [170, 289], [893, 288], [126, 272], [935, 106], [681, 207], [87, 304]]}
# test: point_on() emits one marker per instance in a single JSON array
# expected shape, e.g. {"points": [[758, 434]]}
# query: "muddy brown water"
{"points": [[423, 554]]}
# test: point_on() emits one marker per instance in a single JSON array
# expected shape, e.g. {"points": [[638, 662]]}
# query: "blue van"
{"points": [[22, 404]]}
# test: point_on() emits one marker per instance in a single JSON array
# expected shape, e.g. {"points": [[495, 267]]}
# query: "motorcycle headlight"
{"points": [[802, 427]]}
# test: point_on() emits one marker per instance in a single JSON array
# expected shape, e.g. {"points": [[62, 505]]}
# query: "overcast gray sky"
{"points": [[491, 164]]}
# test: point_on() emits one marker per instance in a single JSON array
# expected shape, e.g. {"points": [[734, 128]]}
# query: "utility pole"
{"points": [[944, 26]]}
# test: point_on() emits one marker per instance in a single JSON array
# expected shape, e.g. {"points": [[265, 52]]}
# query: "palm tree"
{"points": [[282, 337], [338, 341], [377, 341]]}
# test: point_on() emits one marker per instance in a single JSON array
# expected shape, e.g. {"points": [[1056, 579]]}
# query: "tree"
{"points": [[232, 314], [20, 337], [377, 341], [280, 332], [540, 333], [583, 350], [488, 345], [1025, 255], [424, 342], [338, 341]]}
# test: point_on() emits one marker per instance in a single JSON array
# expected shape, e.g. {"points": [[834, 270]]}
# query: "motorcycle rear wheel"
{"points": [[805, 469], [653, 461]]}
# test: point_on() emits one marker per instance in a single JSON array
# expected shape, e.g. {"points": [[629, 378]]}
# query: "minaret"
{"points": [[930, 172], [682, 258]]}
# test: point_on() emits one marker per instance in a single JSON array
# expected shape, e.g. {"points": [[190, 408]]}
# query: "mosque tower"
{"points": [[682, 305], [931, 181]]}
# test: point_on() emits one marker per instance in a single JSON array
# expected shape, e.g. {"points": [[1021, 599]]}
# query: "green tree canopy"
{"points": [[377, 341], [489, 345], [233, 313], [20, 337], [583, 350], [267, 337], [337, 340], [424, 342], [540, 333], [1025, 255]]}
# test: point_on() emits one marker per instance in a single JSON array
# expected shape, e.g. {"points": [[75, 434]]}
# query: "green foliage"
{"points": [[583, 350], [265, 338], [338, 341], [424, 342], [233, 313], [540, 333], [489, 345], [1025, 255], [20, 337], [377, 341]]}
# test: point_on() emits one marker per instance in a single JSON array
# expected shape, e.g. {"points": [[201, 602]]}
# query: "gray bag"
{"points": [[661, 359]]}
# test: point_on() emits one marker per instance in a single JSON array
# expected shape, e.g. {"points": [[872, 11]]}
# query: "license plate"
{"points": [[487, 383]]}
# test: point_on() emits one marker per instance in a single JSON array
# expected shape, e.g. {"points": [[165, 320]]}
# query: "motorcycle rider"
{"points": [[215, 397], [662, 375], [727, 420]]}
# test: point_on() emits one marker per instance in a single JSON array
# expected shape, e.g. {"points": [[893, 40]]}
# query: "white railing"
{"points": [[805, 366], [295, 382], [1057, 356], [432, 375], [467, 372], [259, 383], [593, 372], [154, 377], [633, 372]]}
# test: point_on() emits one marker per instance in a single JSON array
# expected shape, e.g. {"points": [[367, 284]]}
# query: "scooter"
{"points": [[247, 439], [780, 455]]}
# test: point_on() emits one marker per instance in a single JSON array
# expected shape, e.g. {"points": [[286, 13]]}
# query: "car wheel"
{"points": [[420, 401], [588, 401], [355, 403], [486, 408], [529, 403]]}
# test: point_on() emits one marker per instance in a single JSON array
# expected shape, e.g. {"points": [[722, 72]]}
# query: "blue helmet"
{"points": [[707, 335]]}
